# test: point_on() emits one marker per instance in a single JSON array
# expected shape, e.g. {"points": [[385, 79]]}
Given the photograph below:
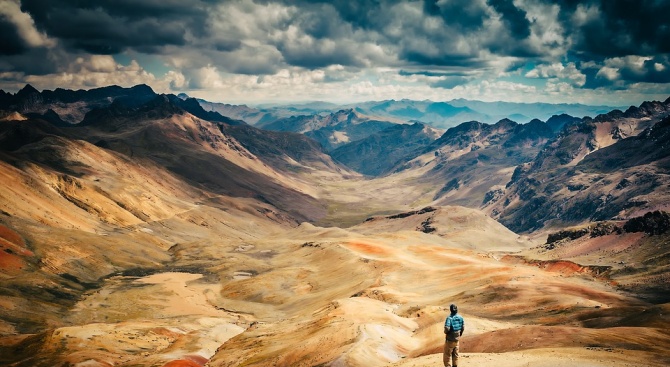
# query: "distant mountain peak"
{"points": [[506, 122], [349, 113], [142, 88], [27, 90]]}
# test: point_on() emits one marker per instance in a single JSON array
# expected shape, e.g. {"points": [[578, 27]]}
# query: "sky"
{"points": [[598, 52]]}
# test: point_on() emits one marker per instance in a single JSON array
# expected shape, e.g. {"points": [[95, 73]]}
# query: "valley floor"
{"points": [[375, 294]]}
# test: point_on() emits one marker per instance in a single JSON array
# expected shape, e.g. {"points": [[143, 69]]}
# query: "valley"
{"points": [[151, 232]]}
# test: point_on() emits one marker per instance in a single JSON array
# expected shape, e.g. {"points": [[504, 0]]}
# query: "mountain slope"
{"points": [[79, 214], [614, 166], [381, 152], [283, 150], [152, 179], [472, 161], [437, 114], [332, 130], [244, 113], [197, 150]]}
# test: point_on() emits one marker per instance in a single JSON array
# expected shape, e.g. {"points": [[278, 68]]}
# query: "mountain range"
{"points": [[441, 115], [139, 228]]}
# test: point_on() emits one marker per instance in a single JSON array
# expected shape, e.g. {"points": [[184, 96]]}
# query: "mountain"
{"points": [[451, 113], [467, 165], [541, 111], [71, 106], [291, 151], [436, 114], [131, 187], [440, 114], [247, 114], [382, 151], [557, 122], [198, 150], [473, 159], [266, 114], [459, 167], [613, 166], [331, 130]]}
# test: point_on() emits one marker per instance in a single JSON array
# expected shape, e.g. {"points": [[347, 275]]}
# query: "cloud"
{"points": [[206, 77], [621, 72], [18, 30], [609, 73], [445, 80], [466, 15], [10, 43], [434, 48], [111, 26], [554, 86], [513, 17], [616, 28], [568, 71], [176, 81], [89, 72]]}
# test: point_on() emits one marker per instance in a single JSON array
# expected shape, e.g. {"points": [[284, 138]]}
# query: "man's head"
{"points": [[453, 308]]}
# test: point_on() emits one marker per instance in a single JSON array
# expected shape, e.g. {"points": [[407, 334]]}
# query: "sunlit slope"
{"points": [[368, 300]]}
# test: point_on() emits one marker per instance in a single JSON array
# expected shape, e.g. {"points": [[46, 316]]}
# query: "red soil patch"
{"points": [[12, 247], [11, 236], [558, 266], [367, 248], [453, 256], [12, 243], [10, 263], [188, 361], [565, 267], [182, 363], [197, 359]]}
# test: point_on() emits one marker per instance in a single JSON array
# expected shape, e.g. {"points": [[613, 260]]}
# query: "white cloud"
{"points": [[558, 87], [547, 33], [631, 61], [206, 77], [584, 14], [568, 72], [94, 71], [96, 63], [176, 80], [609, 73]]}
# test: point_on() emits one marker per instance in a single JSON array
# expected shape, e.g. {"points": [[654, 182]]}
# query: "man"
{"points": [[453, 328]]}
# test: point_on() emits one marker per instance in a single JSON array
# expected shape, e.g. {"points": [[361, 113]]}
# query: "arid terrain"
{"points": [[158, 235]]}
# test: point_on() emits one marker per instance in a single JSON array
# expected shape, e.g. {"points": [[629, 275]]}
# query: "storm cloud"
{"points": [[604, 44]]}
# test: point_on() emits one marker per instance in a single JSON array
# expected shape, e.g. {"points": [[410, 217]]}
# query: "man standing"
{"points": [[453, 328]]}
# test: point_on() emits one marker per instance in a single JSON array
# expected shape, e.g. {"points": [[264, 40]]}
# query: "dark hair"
{"points": [[453, 308]]}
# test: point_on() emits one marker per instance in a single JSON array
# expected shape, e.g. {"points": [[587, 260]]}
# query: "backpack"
{"points": [[453, 335]]}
